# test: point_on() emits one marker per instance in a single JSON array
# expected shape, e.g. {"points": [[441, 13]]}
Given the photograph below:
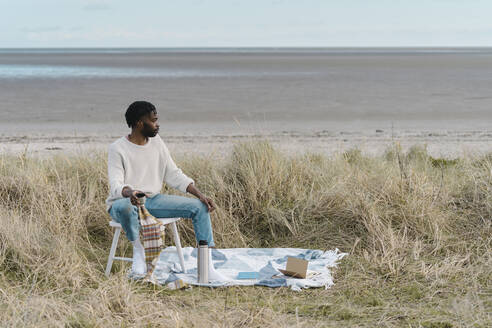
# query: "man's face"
{"points": [[150, 127]]}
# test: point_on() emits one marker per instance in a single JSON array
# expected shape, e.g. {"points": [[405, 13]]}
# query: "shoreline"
{"points": [[444, 143]]}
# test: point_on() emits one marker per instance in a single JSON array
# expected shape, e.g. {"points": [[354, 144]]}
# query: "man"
{"points": [[141, 162]]}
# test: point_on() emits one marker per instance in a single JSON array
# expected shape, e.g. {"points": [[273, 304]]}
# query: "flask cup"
{"points": [[141, 198]]}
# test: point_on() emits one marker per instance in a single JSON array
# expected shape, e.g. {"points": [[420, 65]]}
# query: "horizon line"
{"points": [[253, 47]]}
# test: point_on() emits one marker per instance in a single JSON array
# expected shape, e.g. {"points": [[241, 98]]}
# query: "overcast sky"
{"points": [[236, 23]]}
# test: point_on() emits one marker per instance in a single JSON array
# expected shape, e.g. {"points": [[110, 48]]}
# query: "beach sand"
{"points": [[318, 100], [185, 138]]}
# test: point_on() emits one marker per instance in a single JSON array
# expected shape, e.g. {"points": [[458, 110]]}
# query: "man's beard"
{"points": [[148, 131]]}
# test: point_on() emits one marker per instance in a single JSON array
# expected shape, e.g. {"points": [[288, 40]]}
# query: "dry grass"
{"points": [[418, 229]]}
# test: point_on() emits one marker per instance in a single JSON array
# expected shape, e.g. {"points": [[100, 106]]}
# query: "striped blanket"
{"points": [[152, 232]]}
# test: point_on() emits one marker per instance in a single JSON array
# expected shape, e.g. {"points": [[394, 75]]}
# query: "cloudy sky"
{"points": [[236, 23]]}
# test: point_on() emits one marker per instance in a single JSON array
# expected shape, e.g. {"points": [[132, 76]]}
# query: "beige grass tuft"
{"points": [[418, 230]]}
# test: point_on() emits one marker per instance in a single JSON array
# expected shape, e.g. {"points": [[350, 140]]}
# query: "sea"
{"points": [[219, 90]]}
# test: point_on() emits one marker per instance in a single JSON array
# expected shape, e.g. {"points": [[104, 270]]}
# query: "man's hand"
{"points": [[209, 202], [204, 199], [128, 192]]}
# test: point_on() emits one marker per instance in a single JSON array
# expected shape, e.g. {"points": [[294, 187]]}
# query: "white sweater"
{"points": [[142, 168]]}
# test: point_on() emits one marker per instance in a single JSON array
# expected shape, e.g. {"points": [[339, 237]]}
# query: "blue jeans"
{"points": [[164, 206]]}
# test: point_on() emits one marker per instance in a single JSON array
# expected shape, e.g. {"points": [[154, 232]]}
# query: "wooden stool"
{"points": [[116, 237]]}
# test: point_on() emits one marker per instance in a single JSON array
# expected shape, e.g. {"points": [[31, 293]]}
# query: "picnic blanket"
{"points": [[265, 261]]}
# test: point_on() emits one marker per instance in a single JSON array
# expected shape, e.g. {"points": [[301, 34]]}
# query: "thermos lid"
{"points": [[202, 243]]}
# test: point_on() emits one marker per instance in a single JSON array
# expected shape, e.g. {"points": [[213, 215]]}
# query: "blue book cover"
{"points": [[248, 275]]}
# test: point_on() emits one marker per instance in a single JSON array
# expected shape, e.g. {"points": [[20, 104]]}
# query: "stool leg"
{"points": [[177, 241], [112, 251]]}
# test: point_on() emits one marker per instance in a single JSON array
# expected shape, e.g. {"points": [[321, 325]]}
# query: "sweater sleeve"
{"points": [[173, 176], [116, 172]]}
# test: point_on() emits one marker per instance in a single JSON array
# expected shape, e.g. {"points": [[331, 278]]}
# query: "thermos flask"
{"points": [[202, 262]]}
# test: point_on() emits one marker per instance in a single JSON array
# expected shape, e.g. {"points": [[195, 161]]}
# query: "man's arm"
{"points": [[116, 172], [173, 176], [204, 199]]}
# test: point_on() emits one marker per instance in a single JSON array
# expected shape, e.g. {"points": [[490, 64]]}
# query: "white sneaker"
{"points": [[138, 265], [212, 273]]}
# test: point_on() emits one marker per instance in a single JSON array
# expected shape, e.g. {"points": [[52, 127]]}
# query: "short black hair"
{"points": [[136, 110]]}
